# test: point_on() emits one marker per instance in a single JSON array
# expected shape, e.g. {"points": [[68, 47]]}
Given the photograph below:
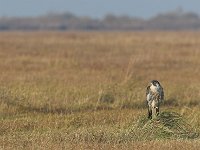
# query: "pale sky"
{"points": [[95, 8]]}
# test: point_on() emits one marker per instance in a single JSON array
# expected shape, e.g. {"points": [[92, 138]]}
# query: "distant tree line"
{"points": [[175, 20]]}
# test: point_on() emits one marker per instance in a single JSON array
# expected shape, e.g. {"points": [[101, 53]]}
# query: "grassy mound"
{"points": [[166, 125]]}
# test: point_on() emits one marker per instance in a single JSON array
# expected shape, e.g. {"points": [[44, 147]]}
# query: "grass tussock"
{"points": [[168, 125]]}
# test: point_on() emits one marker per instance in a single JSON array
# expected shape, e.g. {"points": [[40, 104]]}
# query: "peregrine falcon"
{"points": [[154, 96]]}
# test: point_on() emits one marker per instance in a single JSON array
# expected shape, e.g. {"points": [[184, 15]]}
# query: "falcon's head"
{"points": [[155, 83], [154, 86]]}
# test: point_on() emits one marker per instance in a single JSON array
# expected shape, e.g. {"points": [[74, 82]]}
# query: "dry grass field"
{"points": [[87, 90]]}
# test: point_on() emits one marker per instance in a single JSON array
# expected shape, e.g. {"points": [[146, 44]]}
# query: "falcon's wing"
{"points": [[147, 90], [162, 94], [148, 93]]}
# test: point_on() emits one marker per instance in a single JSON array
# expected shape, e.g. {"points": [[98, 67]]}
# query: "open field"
{"points": [[87, 90]]}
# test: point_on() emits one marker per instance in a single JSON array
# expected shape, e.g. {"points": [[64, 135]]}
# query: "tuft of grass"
{"points": [[168, 125]]}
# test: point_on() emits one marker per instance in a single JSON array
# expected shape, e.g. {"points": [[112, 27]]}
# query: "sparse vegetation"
{"points": [[87, 90]]}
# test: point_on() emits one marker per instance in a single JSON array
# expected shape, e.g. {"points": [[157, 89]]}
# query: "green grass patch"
{"points": [[168, 125]]}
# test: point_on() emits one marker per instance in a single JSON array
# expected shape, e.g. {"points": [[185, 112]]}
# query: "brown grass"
{"points": [[59, 89]]}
